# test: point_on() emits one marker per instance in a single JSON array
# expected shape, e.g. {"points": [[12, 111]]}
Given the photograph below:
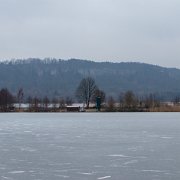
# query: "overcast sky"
{"points": [[101, 30]]}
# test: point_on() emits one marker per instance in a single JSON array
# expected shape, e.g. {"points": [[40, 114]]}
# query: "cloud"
{"points": [[117, 30]]}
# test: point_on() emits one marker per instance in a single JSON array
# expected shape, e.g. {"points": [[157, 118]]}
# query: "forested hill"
{"points": [[61, 77]]}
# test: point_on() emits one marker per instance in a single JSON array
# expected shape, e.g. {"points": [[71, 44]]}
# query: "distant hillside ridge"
{"points": [[60, 78]]}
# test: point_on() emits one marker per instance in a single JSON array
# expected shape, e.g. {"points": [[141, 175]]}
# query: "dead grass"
{"points": [[165, 108]]}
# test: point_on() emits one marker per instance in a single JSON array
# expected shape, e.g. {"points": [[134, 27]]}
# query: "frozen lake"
{"points": [[90, 146]]}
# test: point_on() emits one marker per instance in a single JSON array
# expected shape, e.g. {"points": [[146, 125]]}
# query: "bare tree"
{"points": [[111, 104], [6, 100], [45, 102], [35, 104], [86, 90], [121, 101], [54, 103], [130, 100], [151, 101], [176, 100], [62, 103], [99, 93], [30, 102], [20, 96]]}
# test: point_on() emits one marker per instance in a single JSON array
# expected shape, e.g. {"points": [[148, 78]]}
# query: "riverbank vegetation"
{"points": [[85, 99]]}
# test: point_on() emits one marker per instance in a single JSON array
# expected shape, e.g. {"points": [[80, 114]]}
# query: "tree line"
{"points": [[10, 102], [87, 93]]}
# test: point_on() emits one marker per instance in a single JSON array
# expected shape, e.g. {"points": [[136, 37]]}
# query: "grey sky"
{"points": [[102, 30]]}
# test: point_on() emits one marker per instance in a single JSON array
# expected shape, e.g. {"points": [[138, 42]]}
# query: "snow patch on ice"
{"points": [[166, 137], [105, 177], [118, 155], [62, 176], [86, 173], [153, 170], [16, 172], [131, 162], [28, 149]]}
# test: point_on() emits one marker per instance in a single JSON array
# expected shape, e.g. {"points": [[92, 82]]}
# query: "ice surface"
{"points": [[89, 146]]}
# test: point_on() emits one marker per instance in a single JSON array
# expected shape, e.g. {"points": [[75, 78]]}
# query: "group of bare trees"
{"points": [[10, 102], [87, 92], [128, 101], [46, 105]]}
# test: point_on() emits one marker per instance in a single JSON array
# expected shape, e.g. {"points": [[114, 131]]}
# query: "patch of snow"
{"points": [[105, 177]]}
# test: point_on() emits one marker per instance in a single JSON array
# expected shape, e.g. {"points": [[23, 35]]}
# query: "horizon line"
{"points": [[87, 60]]}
